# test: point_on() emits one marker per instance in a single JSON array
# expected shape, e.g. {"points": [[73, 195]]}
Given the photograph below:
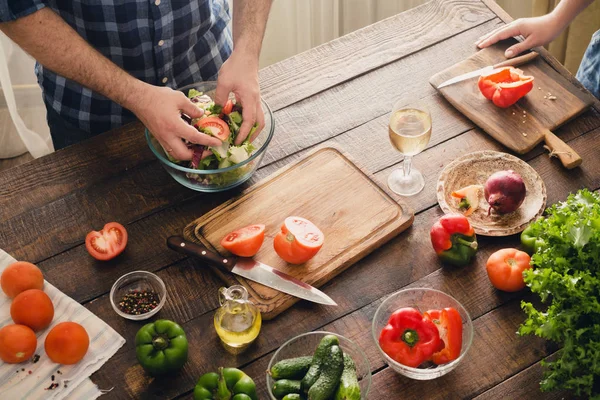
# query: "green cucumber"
{"points": [[293, 396], [321, 354], [284, 387], [329, 379], [292, 368], [349, 388]]}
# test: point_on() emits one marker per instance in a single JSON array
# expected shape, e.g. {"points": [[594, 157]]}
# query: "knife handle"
{"points": [[183, 246], [516, 61]]}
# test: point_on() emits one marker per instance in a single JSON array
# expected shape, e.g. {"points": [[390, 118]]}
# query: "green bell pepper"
{"points": [[161, 347], [530, 239], [228, 384]]}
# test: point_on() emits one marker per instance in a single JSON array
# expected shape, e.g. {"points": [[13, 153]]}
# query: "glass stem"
{"points": [[406, 165]]}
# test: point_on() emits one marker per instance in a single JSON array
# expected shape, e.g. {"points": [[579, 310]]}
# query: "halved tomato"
{"points": [[108, 243], [299, 240], [215, 126], [245, 242], [228, 107]]}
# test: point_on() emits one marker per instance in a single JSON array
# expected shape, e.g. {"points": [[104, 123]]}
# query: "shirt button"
{"points": [[157, 2], [161, 42], [165, 79]]}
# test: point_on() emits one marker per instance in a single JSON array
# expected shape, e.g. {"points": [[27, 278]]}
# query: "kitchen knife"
{"points": [[512, 62], [252, 270]]}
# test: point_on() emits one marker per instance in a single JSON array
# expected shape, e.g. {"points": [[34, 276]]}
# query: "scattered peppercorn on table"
{"points": [[48, 205]]}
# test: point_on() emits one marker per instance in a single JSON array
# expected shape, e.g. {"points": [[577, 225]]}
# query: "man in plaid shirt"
{"points": [[101, 63]]}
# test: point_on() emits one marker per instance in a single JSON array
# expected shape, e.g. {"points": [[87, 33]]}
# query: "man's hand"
{"points": [[537, 31], [159, 109], [240, 76]]}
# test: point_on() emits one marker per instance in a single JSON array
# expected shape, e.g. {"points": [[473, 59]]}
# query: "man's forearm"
{"points": [[55, 45], [567, 10], [249, 23]]}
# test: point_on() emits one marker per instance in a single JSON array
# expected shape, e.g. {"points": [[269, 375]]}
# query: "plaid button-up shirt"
{"points": [[161, 42]]}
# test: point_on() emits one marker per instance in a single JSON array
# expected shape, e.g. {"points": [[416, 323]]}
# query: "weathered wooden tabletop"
{"points": [[340, 93]]}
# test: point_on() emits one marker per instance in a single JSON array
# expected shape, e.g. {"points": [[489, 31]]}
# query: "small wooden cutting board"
{"points": [[552, 102], [355, 215]]}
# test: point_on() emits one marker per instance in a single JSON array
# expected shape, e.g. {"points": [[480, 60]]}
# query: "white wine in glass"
{"points": [[410, 131]]}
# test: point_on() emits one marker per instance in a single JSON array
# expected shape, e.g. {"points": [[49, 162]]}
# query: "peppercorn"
{"points": [[138, 302]]}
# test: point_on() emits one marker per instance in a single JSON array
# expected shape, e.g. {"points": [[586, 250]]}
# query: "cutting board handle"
{"points": [[516, 61], [567, 156]]}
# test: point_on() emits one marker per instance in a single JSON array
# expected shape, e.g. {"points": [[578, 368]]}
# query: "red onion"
{"points": [[504, 191]]}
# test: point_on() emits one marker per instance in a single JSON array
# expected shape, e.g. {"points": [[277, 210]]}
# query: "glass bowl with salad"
{"points": [[215, 169]]}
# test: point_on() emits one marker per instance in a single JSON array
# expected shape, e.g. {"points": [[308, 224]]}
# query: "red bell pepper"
{"points": [[454, 239], [449, 324], [505, 86], [409, 338]]}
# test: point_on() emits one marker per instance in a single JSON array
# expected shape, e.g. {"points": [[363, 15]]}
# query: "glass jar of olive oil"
{"points": [[238, 320]]}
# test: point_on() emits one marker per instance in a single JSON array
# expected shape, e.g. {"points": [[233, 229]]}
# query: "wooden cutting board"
{"points": [[509, 125], [355, 215]]}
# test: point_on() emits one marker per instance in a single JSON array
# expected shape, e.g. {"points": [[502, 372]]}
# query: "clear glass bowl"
{"points": [[422, 299], [216, 180], [137, 280], [306, 344]]}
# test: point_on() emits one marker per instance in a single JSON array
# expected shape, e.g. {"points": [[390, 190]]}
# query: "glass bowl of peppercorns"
{"points": [[138, 295]]}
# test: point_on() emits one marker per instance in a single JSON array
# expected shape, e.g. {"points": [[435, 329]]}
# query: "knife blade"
{"points": [[252, 270], [512, 62]]}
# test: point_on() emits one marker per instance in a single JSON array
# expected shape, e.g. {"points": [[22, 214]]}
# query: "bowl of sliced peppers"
{"points": [[422, 333]]}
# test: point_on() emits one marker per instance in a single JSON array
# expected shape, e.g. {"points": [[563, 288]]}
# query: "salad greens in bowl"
{"points": [[215, 169]]}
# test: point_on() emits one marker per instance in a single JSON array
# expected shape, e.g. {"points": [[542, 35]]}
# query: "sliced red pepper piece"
{"points": [[409, 338], [449, 325], [505, 86]]}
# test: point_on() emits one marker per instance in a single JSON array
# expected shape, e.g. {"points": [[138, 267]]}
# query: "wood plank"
{"points": [[524, 385], [15, 161], [406, 259], [364, 50]]}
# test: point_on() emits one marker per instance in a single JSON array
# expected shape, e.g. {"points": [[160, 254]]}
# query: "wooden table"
{"points": [[340, 93]]}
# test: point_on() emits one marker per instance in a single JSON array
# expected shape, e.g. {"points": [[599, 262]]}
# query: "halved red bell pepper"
{"points": [[409, 338], [454, 239], [505, 86], [449, 324]]}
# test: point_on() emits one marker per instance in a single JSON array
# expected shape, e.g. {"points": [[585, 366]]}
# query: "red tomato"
{"points": [[228, 107], [215, 125], [108, 243], [298, 241], [505, 269], [67, 343], [245, 242], [17, 343]]}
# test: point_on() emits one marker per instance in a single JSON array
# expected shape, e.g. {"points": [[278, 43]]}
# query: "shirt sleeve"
{"points": [[11, 10]]}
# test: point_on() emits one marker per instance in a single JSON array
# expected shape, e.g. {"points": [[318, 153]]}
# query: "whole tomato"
{"points": [[505, 269]]}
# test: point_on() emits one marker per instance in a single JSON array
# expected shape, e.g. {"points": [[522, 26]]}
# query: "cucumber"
{"points": [[292, 368], [320, 355], [284, 387], [294, 396], [331, 372], [348, 388]]}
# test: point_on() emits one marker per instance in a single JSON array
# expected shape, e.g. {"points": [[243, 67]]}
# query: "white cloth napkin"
{"points": [[73, 380]]}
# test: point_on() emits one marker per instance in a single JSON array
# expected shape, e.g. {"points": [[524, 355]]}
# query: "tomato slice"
{"points": [[108, 243], [228, 107], [299, 240], [215, 125], [245, 242]]}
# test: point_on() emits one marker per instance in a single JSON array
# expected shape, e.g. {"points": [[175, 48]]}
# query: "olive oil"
{"points": [[238, 320]]}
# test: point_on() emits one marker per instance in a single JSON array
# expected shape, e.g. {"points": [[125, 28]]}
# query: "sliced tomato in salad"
{"points": [[215, 125], [299, 240], [108, 243], [228, 107], [245, 242]]}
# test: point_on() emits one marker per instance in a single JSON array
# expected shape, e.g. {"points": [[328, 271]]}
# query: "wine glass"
{"points": [[410, 131]]}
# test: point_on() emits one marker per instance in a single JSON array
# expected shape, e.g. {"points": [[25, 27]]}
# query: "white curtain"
{"points": [[20, 101]]}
